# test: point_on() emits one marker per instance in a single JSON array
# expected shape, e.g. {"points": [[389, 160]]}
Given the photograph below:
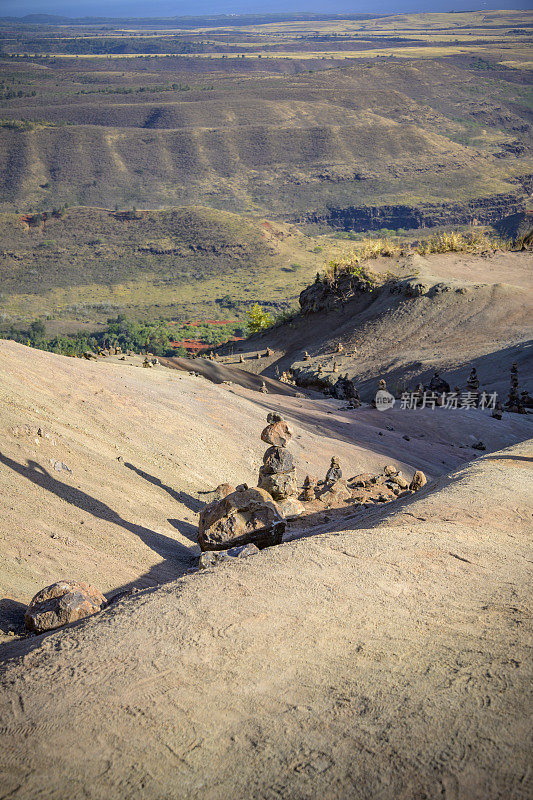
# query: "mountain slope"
{"points": [[436, 320]]}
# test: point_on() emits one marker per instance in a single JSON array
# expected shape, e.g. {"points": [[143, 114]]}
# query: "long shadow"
{"points": [[185, 528], [162, 545], [11, 616], [176, 557], [192, 503]]}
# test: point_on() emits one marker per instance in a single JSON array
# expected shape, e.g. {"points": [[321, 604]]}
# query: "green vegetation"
{"points": [[82, 265], [257, 319], [448, 124], [265, 149], [457, 242], [156, 337]]}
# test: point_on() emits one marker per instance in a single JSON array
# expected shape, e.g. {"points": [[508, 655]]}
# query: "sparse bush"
{"points": [[456, 242], [257, 319], [350, 266]]}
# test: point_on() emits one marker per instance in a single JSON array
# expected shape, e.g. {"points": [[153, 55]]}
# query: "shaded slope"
{"points": [[423, 324]]}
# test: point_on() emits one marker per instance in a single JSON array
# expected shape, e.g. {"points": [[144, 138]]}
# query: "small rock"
{"points": [[419, 480], [335, 493], [479, 446], [390, 470], [280, 485], [59, 466], [61, 603], [290, 508], [363, 481], [400, 481], [406, 437], [211, 558], [277, 433], [277, 459], [223, 489]]}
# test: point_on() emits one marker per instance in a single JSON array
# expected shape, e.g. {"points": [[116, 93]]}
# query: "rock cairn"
{"points": [[309, 489], [277, 476], [334, 472], [344, 389], [514, 401], [438, 384], [472, 384]]}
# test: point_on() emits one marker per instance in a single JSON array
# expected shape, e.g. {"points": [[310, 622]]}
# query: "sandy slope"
{"points": [[390, 661], [133, 523]]}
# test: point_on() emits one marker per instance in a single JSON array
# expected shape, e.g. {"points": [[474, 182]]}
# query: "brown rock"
{"points": [[390, 470], [280, 485], [222, 490], [419, 480], [61, 603], [363, 481], [399, 480], [249, 516], [336, 493], [278, 434], [290, 507], [277, 459]]}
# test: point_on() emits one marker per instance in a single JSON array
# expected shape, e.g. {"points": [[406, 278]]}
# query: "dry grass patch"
{"points": [[456, 242]]}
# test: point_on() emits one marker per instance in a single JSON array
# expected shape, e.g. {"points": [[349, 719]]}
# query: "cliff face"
{"points": [[367, 218]]}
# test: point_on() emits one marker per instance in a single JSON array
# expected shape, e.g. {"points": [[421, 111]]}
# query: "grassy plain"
{"points": [[281, 123]]}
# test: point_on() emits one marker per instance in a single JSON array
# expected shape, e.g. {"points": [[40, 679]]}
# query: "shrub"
{"points": [[456, 242], [257, 319]]}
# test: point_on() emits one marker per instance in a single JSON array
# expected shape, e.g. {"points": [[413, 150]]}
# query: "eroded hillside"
{"points": [[445, 312], [283, 121]]}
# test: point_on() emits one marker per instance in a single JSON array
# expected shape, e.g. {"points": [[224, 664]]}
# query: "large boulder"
{"points": [[242, 517], [61, 603]]}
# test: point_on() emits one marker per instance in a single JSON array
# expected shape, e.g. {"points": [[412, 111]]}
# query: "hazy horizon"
{"points": [[167, 8]]}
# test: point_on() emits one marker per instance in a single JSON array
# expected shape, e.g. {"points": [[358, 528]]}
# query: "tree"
{"points": [[257, 319]]}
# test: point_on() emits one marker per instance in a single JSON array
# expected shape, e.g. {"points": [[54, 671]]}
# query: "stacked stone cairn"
{"points": [[514, 402], [309, 489], [344, 389], [472, 385], [277, 476]]}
